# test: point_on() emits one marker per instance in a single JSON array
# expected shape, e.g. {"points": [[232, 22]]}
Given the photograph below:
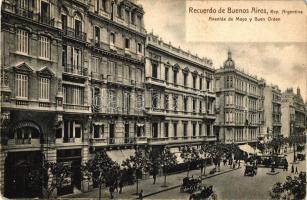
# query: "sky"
{"points": [[282, 64]]}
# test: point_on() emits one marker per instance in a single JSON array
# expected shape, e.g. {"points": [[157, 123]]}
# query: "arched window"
{"points": [[78, 25]]}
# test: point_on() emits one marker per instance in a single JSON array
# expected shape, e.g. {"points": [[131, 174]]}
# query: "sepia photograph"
{"points": [[153, 99]]}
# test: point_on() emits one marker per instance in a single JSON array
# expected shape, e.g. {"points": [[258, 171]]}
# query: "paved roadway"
{"points": [[235, 185]]}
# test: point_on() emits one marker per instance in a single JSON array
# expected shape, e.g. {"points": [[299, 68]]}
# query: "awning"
{"points": [[248, 149], [120, 155], [177, 154]]}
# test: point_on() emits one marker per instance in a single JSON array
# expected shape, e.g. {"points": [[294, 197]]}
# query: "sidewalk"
{"points": [[172, 181]]}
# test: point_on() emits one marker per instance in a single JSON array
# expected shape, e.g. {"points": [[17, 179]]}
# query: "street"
{"points": [[235, 185], [230, 184]]}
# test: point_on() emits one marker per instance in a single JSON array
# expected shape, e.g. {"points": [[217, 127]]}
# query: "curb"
{"points": [[176, 186]]}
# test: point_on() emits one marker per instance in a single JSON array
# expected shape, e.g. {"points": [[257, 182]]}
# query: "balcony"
{"points": [[73, 33], [23, 142], [97, 76], [75, 108], [68, 141], [29, 14], [121, 140], [74, 69], [98, 141], [184, 139]]}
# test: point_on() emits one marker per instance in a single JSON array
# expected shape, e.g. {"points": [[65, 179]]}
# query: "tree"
{"points": [[292, 188], [276, 143], [50, 176], [166, 160], [102, 170], [139, 162], [189, 154]]}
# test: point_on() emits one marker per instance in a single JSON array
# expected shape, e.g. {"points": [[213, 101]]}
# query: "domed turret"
{"points": [[229, 63]]}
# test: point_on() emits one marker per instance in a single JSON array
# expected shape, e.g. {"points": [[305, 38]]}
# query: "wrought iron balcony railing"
{"points": [[67, 31]]}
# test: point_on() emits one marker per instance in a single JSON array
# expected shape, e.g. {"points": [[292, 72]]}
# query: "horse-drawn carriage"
{"points": [[206, 193], [190, 184], [250, 170], [301, 156]]}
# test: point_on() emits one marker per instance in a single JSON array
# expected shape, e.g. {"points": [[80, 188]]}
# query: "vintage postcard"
{"points": [[153, 99]]}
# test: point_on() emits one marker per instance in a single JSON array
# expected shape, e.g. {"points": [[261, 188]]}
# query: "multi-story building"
{"points": [[239, 104], [179, 96], [293, 113], [272, 112], [72, 83]]}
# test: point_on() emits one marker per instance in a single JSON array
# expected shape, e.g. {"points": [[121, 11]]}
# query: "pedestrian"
{"points": [[111, 190], [120, 184], [154, 176], [292, 169], [296, 172], [224, 161], [239, 164], [141, 195]]}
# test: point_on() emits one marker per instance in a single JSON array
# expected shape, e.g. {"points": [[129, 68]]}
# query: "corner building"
{"points": [[293, 113], [72, 82], [272, 112], [179, 96], [239, 104]]}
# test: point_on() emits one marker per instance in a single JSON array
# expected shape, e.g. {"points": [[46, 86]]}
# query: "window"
{"points": [[127, 43], [112, 38], [185, 129], [200, 106], [64, 56], [208, 129], [166, 101], [175, 102], [200, 83], [185, 79], [140, 48], [95, 65], [77, 56], [104, 5], [73, 95], [77, 130], [22, 41], [166, 74], [175, 77], [200, 129], [59, 133], [165, 129], [154, 99], [175, 130], [126, 101], [96, 129], [127, 16], [64, 21], [194, 129], [133, 15], [139, 102], [44, 88], [97, 35], [45, 12], [208, 84], [194, 82], [44, 47], [194, 105], [154, 70], [97, 6], [112, 101], [119, 12], [22, 86], [185, 104]]}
